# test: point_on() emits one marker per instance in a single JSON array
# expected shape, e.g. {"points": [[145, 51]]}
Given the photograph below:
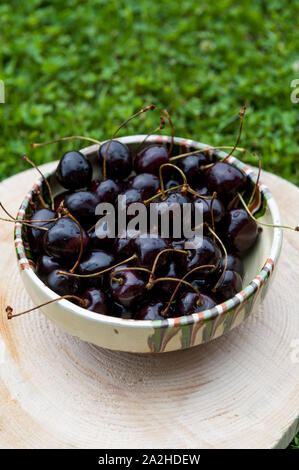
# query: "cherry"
{"points": [[202, 190], [173, 270], [207, 253], [218, 209], [93, 262], [63, 239], [129, 287], [36, 235], [101, 242], [151, 311], [229, 286], [191, 166], [173, 202], [146, 183], [234, 263], [106, 191], [82, 205], [45, 265], [96, 301], [131, 196], [172, 183], [149, 159], [189, 303], [225, 179], [118, 162], [124, 246], [59, 198], [148, 248], [61, 284], [74, 171], [240, 229]]}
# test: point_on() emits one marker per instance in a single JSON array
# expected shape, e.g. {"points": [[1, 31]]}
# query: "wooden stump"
{"points": [[239, 391]]}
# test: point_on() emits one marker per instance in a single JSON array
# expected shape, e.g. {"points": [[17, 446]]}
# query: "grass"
{"points": [[83, 67]]}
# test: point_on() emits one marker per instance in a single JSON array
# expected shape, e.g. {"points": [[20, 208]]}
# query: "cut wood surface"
{"points": [[238, 391]]}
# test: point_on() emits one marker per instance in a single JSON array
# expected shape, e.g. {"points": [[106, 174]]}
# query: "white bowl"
{"points": [[145, 336]]}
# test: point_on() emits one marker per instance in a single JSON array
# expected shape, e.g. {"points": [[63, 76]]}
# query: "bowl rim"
{"points": [[26, 265]]}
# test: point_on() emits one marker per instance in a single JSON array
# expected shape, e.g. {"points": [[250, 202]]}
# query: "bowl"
{"points": [[158, 336]]}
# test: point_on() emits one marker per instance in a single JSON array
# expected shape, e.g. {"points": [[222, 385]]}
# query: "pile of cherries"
{"points": [[134, 277], [143, 278]]}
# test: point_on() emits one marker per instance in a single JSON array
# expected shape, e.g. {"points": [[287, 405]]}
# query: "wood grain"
{"points": [[239, 391]]}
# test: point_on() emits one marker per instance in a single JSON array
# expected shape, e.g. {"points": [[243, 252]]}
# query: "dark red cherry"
{"points": [[172, 208], [225, 179], [63, 239], [59, 198], [106, 191], [240, 229], [207, 253], [191, 166], [102, 236], [63, 284], [97, 301], [172, 270], [189, 303], [131, 196], [234, 263], [35, 236], [229, 286], [148, 248], [202, 190], [118, 162], [218, 209], [130, 286], [172, 183], [146, 183], [82, 205], [151, 311], [74, 171], [93, 262], [149, 159], [45, 265], [123, 247]]}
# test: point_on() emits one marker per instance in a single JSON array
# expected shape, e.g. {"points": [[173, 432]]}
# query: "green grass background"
{"points": [[78, 67]]}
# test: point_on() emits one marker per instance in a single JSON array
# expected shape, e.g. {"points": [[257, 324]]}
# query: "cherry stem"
{"points": [[255, 189], [212, 212], [225, 252], [175, 279], [159, 128], [241, 115], [208, 149], [185, 184], [143, 110], [184, 252], [132, 268], [164, 313], [26, 223], [159, 193], [26, 159], [296, 229], [165, 112], [99, 272], [63, 139], [9, 310], [65, 212], [190, 190]]}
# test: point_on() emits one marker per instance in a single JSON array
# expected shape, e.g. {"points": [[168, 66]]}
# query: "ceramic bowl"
{"points": [[159, 336]]}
